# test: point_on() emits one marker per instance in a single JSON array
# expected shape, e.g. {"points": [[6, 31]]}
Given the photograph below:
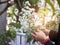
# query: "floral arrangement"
{"points": [[32, 17], [44, 16]]}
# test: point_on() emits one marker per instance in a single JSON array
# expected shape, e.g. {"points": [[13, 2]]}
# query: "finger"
{"points": [[34, 32], [42, 27], [33, 35]]}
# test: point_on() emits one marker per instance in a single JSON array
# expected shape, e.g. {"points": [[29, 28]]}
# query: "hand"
{"points": [[38, 35], [46, 31]]}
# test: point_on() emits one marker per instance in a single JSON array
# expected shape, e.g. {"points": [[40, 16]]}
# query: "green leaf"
{"points": [[17, 25], [29, 37], [32, 2], [34, 41], [3, 38], [11, 33], [52, 6], [58, 2]]}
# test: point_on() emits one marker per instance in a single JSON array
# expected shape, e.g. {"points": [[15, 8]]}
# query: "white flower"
{"points": [[27, 7], [27, 3], [16, 11], [23, 10]]}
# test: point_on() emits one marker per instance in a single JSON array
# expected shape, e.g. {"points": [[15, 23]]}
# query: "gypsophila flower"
{"points": [[27, 3]]}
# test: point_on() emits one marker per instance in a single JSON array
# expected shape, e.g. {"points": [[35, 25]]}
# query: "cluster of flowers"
{"points": [[31, 20]]}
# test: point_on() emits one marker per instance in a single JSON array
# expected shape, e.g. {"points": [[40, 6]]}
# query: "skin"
{"points": [[40, 35], [46, 31]]}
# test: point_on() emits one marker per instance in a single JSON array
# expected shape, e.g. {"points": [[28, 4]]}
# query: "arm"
{"points": [[40, 36], [52, 34], [52, 37], [49, 43]]}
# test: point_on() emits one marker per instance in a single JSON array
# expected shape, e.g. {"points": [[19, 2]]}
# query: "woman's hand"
{"points": [[38, 35], [46, 31]]}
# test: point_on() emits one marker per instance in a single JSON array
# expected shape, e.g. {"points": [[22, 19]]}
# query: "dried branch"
{"points": [[19, 4]]}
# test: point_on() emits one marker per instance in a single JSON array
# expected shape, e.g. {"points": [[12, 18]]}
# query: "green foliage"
{"points": [[52, 6], [29, 37], [6, 37], [17, 25], [58, 2], [11, 33], [11, 11], [33, 2], [2, 39]]}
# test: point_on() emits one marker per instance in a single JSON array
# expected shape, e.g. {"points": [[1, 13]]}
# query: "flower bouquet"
{"points": [[33, 16]]}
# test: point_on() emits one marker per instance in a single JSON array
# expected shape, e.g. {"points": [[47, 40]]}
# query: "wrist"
{"points": [[45, 40]]}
